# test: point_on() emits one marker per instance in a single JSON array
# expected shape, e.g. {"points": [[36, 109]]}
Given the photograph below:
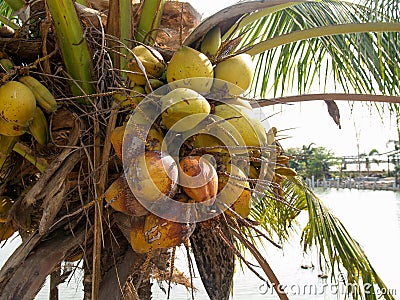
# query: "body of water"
{"points": [[371, 217]]}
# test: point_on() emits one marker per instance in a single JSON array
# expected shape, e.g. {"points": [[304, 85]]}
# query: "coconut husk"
{"points": [[178, 20], [178, 277]]}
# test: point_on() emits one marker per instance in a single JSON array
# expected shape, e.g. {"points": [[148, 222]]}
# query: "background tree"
{"points": [[312, 161]]}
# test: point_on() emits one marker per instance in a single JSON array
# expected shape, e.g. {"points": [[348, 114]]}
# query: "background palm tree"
{"points": [[297, 46]]}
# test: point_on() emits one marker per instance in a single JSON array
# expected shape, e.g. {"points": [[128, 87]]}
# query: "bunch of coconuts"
{"points": [[191, 150]]}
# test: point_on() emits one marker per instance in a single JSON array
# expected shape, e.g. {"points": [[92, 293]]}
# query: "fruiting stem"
{"points": [[255, 16], [73, 45], [120, 14], [125, 31], [15, 4], [321, 32], [24, 151], [150, 20]]}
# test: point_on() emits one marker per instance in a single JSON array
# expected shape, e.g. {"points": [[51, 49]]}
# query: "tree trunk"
{"points": [[26, 277], [118, 263]]}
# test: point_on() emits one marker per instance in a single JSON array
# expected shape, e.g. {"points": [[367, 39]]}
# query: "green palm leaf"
{"points": [[278, 218], [15, 5], [362, 62], [323, 231], [339, 249]]}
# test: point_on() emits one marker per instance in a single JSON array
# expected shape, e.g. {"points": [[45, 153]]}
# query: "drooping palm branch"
{"points": [[323, 231], [327, 233]]}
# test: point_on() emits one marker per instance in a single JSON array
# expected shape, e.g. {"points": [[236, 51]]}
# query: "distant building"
{"points": [[372, 165]]}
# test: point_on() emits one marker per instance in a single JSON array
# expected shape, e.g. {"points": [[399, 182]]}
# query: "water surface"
{"points": [[371, 217]]}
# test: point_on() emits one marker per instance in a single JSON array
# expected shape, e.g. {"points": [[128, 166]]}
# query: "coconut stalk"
{"points": [[54, 282], [25, 272], [74, 49], [15, 4], [40, 163], [9, 23], [120, 14], [149, 22]]}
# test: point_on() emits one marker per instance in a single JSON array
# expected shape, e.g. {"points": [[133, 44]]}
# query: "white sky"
{"points": [[312, 121]]}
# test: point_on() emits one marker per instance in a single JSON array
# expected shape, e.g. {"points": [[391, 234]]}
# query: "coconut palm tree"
{"points": [[82, 55]]}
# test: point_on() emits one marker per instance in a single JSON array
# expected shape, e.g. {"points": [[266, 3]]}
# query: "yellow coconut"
{"points": [[243, 129], [152, 62], [199, 179], [237, 70], [154, 139], [5, 206], [189, 68], [183, 108], [202, 140], [136, 95], [254, 172], [119, 135], [17, 108], [152, 85], [11, 129], [120, 198], [117, 139], [153, 176], [183, 210], [145, 113], [211, 42], [236, 101], [234, 191]]}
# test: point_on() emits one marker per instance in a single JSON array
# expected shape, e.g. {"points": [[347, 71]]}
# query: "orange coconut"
{"points": [[198, 178]]}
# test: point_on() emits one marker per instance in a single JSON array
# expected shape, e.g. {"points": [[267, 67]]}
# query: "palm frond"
{"points": [[15, 5], [362, 62], [323, 231], [278, 218], [339, 249], [5, 9], [389, 8]]}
